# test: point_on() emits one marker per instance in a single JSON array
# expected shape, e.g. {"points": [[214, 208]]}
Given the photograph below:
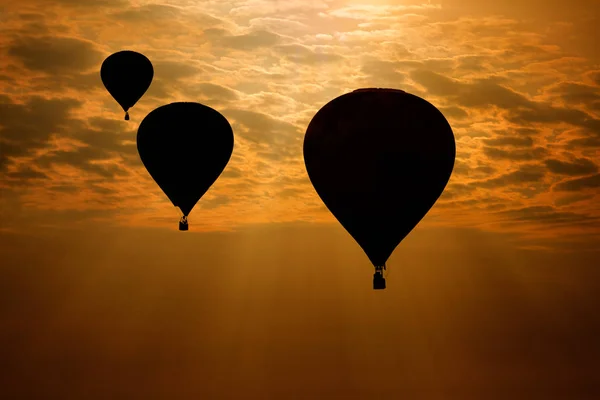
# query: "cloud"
{"points": [[174, 70], [88, 3], [435, 83], [454, 112], [262, 128], [581, 166], [248, 41], [546, 215], [27, 127], [511, 141], [383, 73], [155, 13], [524, 111], [303, 55], [84, 159], [547, 114], [23, 175], [521, 110], [573, 93], [480, 93], [570, 199], [589, 182], [526, 173], [372, 11], [591, 141], [515, 154], [462, 168], [55, 55], [213, 92]]}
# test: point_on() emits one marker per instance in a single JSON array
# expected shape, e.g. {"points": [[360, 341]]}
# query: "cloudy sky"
{"points": [[98, 293]]}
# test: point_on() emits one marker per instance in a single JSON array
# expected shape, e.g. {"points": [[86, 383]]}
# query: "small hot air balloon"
{"points": [[127, 75], [379, 159], [185, 147]]}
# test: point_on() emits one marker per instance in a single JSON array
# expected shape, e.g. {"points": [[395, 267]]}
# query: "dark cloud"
{"points": [[102, 190], [525, 174], [159, 89], [64, 188], [584, 142], [7, 149], [83, 158], [454, 112], [472, 63], [547, 114], [277, 153], [249, 41], [545, 214], [454, 190], [212, 91], [480, 171], [24, 176], [512, 141], [163, 16], [104, 140], [515, 154], [570, 199], [56, 54], [156, 13], [32, 16], [573, 185], [29, 126], [174, 70], [89, 3], [487, 92], [25, 128], [215, 202], [304, 55], [383, 73], [481, 93], [436, 84], [5, 78], [84, 82], [291, 192], [231, 172], [581, 166], [594, 76], [262, 128], [576, 93]]}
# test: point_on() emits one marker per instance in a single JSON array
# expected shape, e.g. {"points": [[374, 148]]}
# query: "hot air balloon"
{"points": [[379, 159], [127, 75], [185, 147]]}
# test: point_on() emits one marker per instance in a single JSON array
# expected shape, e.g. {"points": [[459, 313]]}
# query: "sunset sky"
{"points": [[493, 296]]}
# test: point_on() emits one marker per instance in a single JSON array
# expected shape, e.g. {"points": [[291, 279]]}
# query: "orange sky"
{"points": [[266, 295]]}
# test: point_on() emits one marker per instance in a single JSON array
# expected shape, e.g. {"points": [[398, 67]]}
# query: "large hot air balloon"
{"points": [[185, 147], [379, 159], [127, 75]]}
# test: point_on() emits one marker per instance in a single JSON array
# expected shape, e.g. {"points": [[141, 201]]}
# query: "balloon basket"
{"points": [[379, 278], [378, 281], [183, 224]]}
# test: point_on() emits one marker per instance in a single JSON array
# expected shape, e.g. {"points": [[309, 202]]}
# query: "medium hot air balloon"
{"points": [[127, 75], [185, 147], [379, 159]]}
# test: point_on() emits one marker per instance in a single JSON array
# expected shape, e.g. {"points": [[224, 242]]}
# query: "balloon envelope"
{"points": [[185, 147], [379, 159], [127, 75]]}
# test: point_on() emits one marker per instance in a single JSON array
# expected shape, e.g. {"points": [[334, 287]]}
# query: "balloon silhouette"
{"points": [[185, 147], [379, 159], [126, 75]]}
